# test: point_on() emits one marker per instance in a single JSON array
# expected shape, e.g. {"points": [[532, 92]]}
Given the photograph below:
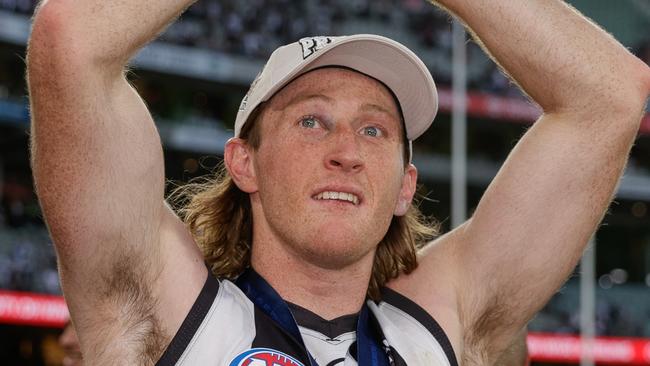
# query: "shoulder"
{"points": [[414, 333], [220, 324]]}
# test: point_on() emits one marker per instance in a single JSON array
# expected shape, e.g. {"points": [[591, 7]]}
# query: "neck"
{"points": [[328, 292]]}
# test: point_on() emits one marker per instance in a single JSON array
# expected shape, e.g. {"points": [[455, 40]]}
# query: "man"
{"points": [[321, 163], [70, 343]]}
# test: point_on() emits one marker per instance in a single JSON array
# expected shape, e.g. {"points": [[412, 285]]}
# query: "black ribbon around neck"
{"points": [[369, 348]]}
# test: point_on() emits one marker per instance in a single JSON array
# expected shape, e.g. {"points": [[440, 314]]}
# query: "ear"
{"points": [[407, 191], [238, 159]]}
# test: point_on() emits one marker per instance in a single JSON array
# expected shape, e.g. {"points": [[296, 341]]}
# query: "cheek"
{"points": [[278, 166], [388, 184]]}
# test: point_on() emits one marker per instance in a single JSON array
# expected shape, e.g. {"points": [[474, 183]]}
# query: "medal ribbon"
{"points": [[369, 350]]}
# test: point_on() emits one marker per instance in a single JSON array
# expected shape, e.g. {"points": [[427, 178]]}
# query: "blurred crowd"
{"points": [[258, 27], [612, 318], [27, 259], [19, 6], [255, 28]]}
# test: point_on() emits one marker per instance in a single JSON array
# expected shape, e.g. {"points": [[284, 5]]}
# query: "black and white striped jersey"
{"points": [[225, 328]]}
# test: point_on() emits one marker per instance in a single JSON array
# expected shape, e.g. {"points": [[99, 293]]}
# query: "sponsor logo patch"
{"points": [[264, 357]]}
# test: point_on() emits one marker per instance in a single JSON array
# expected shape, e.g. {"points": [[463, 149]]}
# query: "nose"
{"points": [[344, 154]]}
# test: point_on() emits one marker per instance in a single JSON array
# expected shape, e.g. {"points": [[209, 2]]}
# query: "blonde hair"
{"points": [[218, 214]]}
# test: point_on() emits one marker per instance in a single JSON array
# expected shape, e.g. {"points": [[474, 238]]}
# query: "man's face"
{"points": [[329, 172]]}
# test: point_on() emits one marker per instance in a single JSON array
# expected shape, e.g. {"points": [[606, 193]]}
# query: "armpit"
{"points": [[126, 312]]}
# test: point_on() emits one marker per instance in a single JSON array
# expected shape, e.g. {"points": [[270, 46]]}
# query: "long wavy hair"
{"points": [[219, 216]]}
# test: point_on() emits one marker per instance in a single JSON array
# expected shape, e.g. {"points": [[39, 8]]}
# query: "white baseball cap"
{"points": [[379, 57]]}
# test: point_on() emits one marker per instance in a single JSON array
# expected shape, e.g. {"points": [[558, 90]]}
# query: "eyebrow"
{"points": [[369, 107], [366, 107], [304, 97]]}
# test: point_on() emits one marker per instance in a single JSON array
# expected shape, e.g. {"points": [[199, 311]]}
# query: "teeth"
{"points": [[342, 196]]}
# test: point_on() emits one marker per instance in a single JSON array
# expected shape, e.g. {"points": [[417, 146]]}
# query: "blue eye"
{"points": [[371, 131], [309, 122]]}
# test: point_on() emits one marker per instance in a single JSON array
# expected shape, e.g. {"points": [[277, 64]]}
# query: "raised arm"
{"points": [[129, 269], [534, 220]]}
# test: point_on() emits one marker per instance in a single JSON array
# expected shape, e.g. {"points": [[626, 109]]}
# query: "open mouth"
{"points": [[338, 196]]}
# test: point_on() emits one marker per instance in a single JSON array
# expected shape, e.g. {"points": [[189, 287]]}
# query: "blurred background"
{"points": [[193, 79]]}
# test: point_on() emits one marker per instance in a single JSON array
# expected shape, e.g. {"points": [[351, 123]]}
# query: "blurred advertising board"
{"points": [[547, 347], [24, 308]]}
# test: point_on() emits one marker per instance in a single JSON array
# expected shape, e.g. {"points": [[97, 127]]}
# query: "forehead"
{"points": [[337, 83]]}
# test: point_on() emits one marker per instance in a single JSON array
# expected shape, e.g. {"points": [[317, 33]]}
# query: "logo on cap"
{"points": [[312, 44]]}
